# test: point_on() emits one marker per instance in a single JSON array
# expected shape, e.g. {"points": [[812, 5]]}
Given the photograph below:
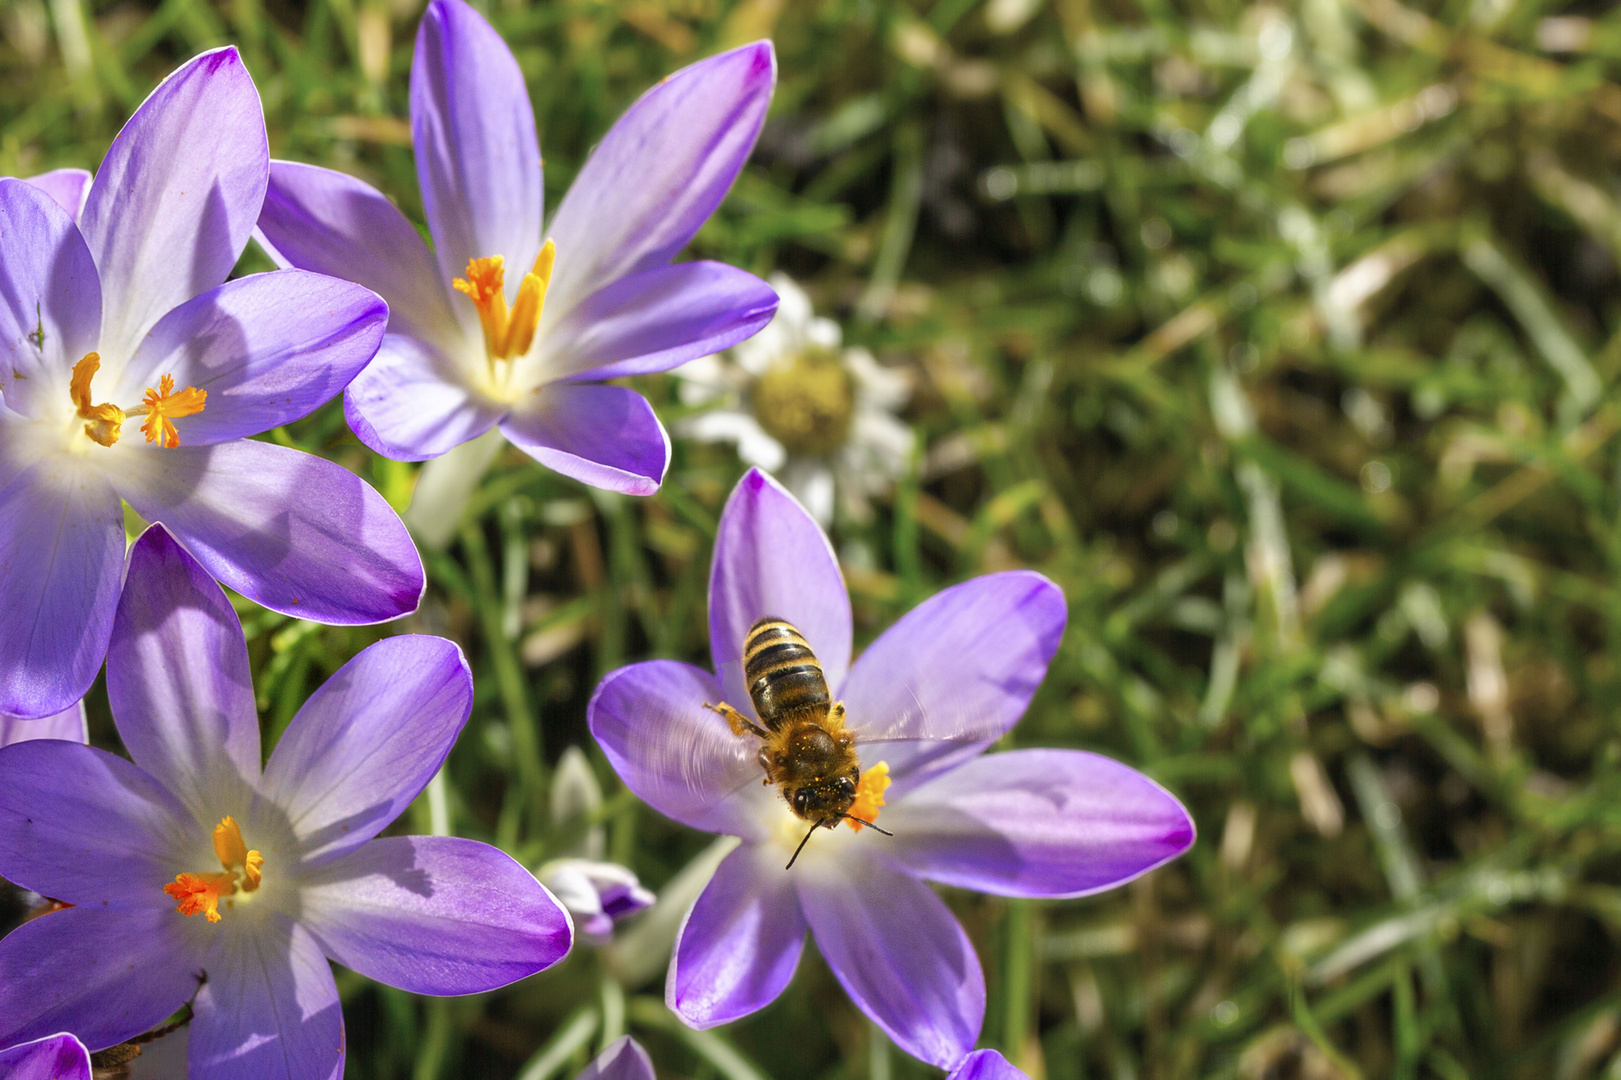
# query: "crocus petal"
{"points": [[268, 349], [478, 160], [326, 221], [269, 1010], [105, 974], [69, 725], [954, 673], [899, 953], [66, 187], [178, 677], [740, 944], [677, 756], [986, 1065], [50, 297], [658, 319], [286, 529], [61, 552], [1038, 823], [659, 173], [56, 1057], [772, 559], [176, 197], [368, 741], [83, 826], [605, 436], [435, 915], [412, 403], [622, 1059]]}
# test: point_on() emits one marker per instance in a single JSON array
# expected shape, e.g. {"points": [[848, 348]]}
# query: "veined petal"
{"points": [[368, 741], [175, 199], [659, 173], [435, 915], [739, 946], [55, 1057], [50, 297], [105, 974], [268, 349], [899, 953], [178, 678], [332, 223], [269, 1009], [986, 1065], [677, 756], [478, 159], [61, 553], [1038, 823], [412, 402], [68, 725], [772, 559], [286, 529], [656, 320], [954, 673], [605, 436], [66, 187], [622, 1059]]}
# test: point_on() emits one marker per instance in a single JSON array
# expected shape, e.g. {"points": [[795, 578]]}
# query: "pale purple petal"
{"points": [[478, 160], [69, 725], [368, 741], [56, 1057], [61, 553], [605, 436], [83, 826], [658, 319], [268, 349], [286, 529], [434, 915], [1038, 823], [677, 756], [176, 197], [955, 673], [986, 1065], [105, 974], [50, 298], [178, 678], [739, 946], [659, 173], [772, 559], [622, 1059], [268, 1011], [66, 187], [412, 402], [326, 221], [899, 953]]}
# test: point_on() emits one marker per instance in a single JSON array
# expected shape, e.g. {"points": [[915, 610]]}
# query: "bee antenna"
{"points": [[868, 824], [801, 846]]}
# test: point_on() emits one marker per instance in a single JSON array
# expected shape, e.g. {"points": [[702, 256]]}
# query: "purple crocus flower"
{"points": [[55, 1057], [195, 875], [622, 1059], [923, 701], [129, 372], [987, 1065], [496, 328], [68, 724], [596, 893]]}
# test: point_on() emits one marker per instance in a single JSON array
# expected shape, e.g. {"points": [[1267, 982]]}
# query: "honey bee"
{"points": [[806, 750]]}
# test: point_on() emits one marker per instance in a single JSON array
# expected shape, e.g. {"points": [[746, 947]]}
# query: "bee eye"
{"points": [[801, 801]]}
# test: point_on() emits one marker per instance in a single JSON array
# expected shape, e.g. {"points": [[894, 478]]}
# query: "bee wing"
{"points": [[919, 740]]}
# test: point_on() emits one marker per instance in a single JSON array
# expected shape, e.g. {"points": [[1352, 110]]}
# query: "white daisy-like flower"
{"points": [[799, 405]]}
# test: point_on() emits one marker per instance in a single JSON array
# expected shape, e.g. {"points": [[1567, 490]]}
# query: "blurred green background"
{"points": [[1284, 338]]}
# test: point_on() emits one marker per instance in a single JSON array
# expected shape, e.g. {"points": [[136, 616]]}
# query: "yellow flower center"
{"points": [[507, 333], [105, 422], [807, 403], [869, 795], [201, 893]]}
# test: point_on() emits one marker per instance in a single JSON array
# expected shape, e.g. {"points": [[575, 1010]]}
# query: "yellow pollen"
{"points": [[105, 422], [201, 893], [507, 333], [869, 795]]}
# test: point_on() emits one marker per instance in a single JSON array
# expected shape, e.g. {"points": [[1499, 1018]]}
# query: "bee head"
{"points": [[824, 800]]}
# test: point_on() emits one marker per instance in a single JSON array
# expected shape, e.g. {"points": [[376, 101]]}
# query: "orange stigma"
{"points": [[105, 423], [200, 894], [507, 333], [869, 796]]}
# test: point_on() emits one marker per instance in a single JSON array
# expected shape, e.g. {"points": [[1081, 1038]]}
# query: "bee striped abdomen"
{"points": [[784, 678]]}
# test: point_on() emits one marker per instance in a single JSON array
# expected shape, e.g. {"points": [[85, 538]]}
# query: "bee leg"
{"points": [[736, 720], [765, 763]]}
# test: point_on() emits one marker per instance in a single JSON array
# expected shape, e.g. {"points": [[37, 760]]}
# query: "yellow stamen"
{"points": [[201, 893], [106, 422], [869, 795], [507, 333], [160, 406]]}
